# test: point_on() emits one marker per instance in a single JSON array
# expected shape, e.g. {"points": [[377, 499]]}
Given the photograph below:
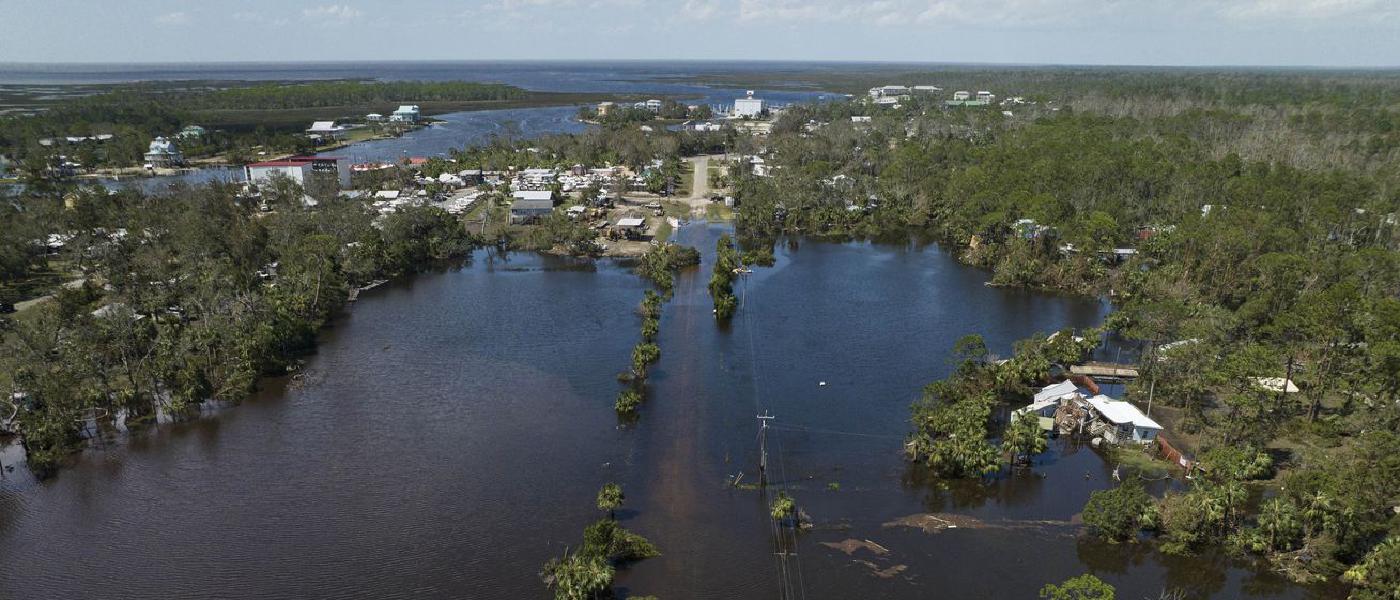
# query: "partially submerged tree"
{"points": [[610, 498], [1083, 587]]}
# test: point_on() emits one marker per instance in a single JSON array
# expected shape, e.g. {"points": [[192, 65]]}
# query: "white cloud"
{"points": [[332, 13], [1308, 10], [700, 10], [790, 12], [173, 19]]}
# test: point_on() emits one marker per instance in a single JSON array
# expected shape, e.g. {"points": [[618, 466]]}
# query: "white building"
{"points": [[530, 205], [749, 107], [985, 96], [374, 117], [1125, 422], [653, 105], [326, 129], [407, 113], [300, 169], [961, 95], [889, 91], [163, 154]]}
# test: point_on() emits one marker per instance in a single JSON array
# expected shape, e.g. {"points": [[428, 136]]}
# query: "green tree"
{"points": [[1083, 587], [577, 577], [1023, 438], [610, 498], [1117, 514], [1377, 576]]}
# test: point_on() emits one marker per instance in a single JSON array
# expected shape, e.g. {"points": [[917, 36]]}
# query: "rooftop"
{"points": [[1119, 411], [534, 195]]}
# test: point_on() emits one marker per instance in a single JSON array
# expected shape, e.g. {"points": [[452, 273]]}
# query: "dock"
{"points": [[1103, 370]]}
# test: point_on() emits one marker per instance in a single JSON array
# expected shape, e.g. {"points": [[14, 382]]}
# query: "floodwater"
{"points": [[452, 430]]}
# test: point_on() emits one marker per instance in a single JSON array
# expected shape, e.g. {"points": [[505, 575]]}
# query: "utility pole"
{"points": [[763, 420]]}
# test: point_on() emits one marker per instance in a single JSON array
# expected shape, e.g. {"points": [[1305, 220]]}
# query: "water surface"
{"points": [[452, 431]]}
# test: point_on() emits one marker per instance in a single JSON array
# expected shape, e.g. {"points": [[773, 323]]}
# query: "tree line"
{"points": [[187, 297], [1243, 230]]}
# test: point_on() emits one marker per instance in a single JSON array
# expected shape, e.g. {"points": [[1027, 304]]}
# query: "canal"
{"points": [[453, 428]]}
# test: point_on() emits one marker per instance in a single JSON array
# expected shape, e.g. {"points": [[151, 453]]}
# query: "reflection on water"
{"points": [[454, 429]]}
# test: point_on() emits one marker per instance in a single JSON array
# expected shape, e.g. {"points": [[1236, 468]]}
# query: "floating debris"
{"points": [[935, 523], [851, 545], [883, 573]]}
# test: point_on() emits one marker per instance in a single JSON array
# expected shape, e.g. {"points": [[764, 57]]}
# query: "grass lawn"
{"points": [[717, 211]]}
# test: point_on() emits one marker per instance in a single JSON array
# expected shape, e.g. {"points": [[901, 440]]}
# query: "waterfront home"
{"points": [[326, 129], [531, 205], [1046, 403], [163, 154], [652, 105], [1120, 422], [631, 227], [749, 107], [604, 108], [374, 117], [300, 169], [407, 113]]}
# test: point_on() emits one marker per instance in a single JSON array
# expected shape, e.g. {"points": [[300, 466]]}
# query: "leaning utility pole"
{"points": [[763, 420]]}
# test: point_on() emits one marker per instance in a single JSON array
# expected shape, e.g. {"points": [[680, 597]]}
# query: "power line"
{"points": [[786, 588]]}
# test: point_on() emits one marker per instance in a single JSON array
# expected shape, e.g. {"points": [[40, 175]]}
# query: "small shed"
{"points": [[631, 227]]}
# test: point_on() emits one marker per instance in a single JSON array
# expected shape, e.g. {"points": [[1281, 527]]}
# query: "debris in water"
{"points": [[851, 545], [883, 573], [821, 384], [932, 523]]}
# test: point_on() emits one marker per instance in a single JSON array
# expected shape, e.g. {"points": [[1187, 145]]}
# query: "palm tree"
{"points": [[1279, 520], [610, 498], [577, 577], [783, 507]]}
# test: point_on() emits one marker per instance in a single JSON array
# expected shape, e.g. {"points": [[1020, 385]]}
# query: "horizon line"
{"points": [[811, 61]]}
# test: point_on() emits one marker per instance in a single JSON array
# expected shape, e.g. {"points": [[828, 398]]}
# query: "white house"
{"points": [[961, 95], [1047, 401], [1125, 423], [326, 129], [407, 113], [163, 154], [985, 96], [374, 117], [749, 107], [529, 205], [300, 169], [653, 105], [860, 119]]}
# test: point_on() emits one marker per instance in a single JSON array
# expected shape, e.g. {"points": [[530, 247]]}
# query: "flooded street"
{"points": [[451, 432]]}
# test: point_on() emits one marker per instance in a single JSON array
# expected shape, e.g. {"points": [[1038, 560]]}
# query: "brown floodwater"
{"points": [[450, 433]]}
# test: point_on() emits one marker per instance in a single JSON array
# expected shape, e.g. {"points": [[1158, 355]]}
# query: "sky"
{"points": [[1361, 33]]}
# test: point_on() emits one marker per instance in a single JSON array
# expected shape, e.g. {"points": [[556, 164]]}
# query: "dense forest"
{"points": [[1245, 224], [201, 293]]}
